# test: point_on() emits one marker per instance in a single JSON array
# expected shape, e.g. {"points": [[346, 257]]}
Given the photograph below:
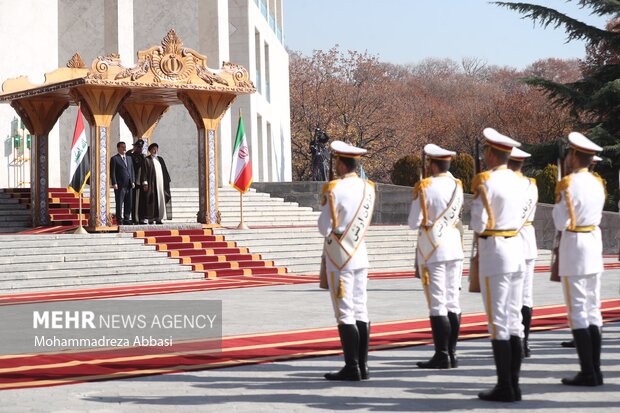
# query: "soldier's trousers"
{"points": [[442, 287], [503, 298], [348, 294], [582, 294], [528, 283]]}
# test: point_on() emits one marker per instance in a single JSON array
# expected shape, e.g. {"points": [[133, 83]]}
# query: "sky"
{"points": [[408, 31]]}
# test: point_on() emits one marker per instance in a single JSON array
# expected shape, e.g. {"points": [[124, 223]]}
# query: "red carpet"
{"points": [[68, 368], [192, 286]]}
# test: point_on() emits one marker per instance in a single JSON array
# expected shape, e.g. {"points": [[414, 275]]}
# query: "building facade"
{"points": [[43, 35]]}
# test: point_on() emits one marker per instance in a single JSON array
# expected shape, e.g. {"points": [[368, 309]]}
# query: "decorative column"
{"points": [[99, 105], [39, 116], [207, 109], [142, 118]]}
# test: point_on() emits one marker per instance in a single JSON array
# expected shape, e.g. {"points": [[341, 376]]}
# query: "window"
{"points": [[257, 44], [261, 149], [267, 75]]}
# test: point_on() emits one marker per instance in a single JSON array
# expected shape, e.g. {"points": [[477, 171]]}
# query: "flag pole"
{"points": [[80, 229], [241, 224]]}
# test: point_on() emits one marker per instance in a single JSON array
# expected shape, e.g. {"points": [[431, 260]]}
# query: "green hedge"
{"points": [[406, 171], [462, 167], [546, 180]]}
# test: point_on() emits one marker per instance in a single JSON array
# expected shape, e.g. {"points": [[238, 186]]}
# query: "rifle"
{"points": [[555, 252], [422, 174], [477, 162], [474, 260]]}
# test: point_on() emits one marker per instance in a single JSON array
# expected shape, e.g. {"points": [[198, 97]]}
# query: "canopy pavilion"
{"points": [[165, 75]]}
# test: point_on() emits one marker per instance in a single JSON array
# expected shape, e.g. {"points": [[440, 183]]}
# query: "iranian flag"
{"points": [[80, 157], [241, 168]]}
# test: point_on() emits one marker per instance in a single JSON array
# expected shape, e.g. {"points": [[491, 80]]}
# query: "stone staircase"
{"points": [[259, 209], [14, 215], [209, 254], [283, 238], [390, 247], [31, 262]]}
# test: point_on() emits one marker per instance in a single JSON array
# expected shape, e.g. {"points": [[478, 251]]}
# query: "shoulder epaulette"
{"points": [[420, 185], [371, 183], [563, 184], [561, 187], [532, 181], [478, 180], [459, 182], [328, 188]]}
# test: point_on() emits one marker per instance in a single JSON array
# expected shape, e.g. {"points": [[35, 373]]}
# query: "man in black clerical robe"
{"points": [[156, 199]]}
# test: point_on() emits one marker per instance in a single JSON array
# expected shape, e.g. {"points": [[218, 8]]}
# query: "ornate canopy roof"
{"points": [[160, 73]]}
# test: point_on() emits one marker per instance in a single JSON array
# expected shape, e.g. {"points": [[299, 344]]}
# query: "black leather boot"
{"points": [[586, 376], [503, 391], [441, 333], [596, 336], [516, 348], [526, 312], [568, 344], [364, 330], [350, 340], [455, 327]]}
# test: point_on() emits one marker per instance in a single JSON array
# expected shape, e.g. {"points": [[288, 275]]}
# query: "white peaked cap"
{"points": [[434, 151], [596, 158], [582, 144], [518, 155], [499, 141], [341, 148]]}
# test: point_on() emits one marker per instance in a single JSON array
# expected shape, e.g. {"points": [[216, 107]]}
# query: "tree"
{"points": [[351, 96], [594, 99], [394, 110]]}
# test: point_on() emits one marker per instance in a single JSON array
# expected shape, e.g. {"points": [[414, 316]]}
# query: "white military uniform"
{"points": [[527, 233], [499, 197], [347, 286], [445, 264], [577, 213]]}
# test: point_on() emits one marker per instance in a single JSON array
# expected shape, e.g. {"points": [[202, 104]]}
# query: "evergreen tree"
{"points": [[594, 100]]}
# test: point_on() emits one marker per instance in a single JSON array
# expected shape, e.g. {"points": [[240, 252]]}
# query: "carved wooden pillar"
{"points": [[99, 105], [207, 110], [142, 118], [39, 116]]}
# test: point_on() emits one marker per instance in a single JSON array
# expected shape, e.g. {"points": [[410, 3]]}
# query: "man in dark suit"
{"points": [[123, 180], [137, 158]]}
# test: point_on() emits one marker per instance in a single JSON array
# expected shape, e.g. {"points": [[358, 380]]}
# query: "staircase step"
{"points": [[143, 234], [198, 259], [209, 241], [245, 272], [231, 265], [184, 250]]}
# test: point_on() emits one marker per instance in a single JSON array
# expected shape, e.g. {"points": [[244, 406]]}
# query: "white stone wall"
{"points": [[23, 24]]}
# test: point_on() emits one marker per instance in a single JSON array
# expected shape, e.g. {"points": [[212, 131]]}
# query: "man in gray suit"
{"points": [[123, 180]]}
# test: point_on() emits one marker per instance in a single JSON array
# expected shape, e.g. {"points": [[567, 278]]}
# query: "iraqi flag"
{"points": [[241, 168], [80, 157]]}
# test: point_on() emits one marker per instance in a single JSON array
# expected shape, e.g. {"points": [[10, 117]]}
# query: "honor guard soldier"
{"points": [[346, 212], [528, 237], [595, 160], [580, 198], [437, 203], [496, 216]]}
